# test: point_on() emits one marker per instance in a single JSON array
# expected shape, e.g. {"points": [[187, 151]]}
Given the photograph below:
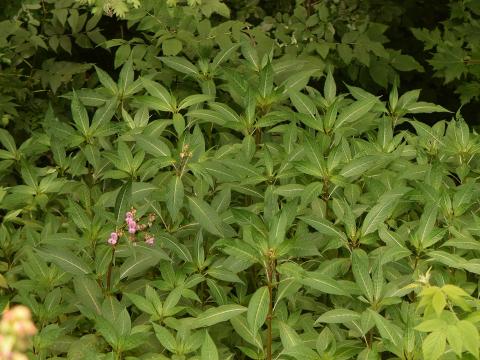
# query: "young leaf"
{"points": [[433, 345]]}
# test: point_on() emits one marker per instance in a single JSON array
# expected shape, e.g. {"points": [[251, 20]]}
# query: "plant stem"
{"points": [[269, 321], [109, 271], [271, 276]]}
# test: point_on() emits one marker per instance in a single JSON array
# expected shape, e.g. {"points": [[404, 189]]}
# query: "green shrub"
{"points": [[218, 198]]}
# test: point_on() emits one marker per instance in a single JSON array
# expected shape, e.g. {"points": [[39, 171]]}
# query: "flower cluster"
{"points": [[133, 225], [16, 327], [130, 220], [113, 239]]}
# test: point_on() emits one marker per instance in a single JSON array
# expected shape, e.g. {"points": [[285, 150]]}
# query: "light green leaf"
{"points": [[433, 345], [471, 339]]}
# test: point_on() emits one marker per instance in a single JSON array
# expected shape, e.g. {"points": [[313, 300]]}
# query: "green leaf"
{"points": [[427, 223], [88, 292], [304, 104], [66, 260], [79, 115], [325, 227], [387, 329], [362, 164], [302, 352], [207, 217], [338, 316], [278, 229], [126, 77], [171, 47], [288, 336], [323, 283], [193, 100], [265, 85], [354, 112], [181, 65], [103, 115], [8, 141], [360, 268], [422, 107], [178, 248], [433, 345], [165, 337], [209, 349], [382, 210], [258, 309], [159, 92], [175, 196], [138, 263], [141, 303], [330, 88], [455, 339], [152, 145], [471, 339], [224, 55], [123, 202], [240, 325], [106, 81], [217, 315]]}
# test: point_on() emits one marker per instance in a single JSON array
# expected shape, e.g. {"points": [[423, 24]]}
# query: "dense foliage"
{"points": [[179, 185]]}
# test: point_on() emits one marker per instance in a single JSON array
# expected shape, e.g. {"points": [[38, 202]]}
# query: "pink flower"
{"points": [[132, 227], [128, 216], [150, 240], [113, 238]]}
